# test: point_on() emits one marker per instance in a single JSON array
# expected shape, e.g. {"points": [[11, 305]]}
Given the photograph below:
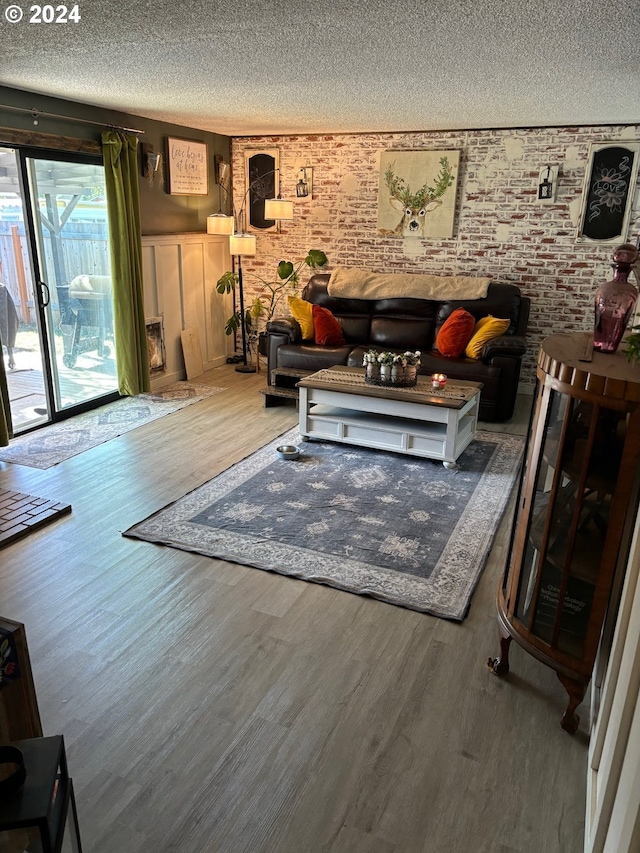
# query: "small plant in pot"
{"points": [[271, 291], [370, 364], [385, 360], [412, 358], [633, 345]]}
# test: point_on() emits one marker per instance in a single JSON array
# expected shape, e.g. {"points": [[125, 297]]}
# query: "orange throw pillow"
{"points": [[455, 333], [328, 331]]}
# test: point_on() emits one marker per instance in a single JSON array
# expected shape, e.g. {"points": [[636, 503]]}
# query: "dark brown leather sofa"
{"points": [[405, 324]]}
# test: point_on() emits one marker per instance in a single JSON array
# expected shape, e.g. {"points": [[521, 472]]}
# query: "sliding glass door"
{"points": [[54, 249]]}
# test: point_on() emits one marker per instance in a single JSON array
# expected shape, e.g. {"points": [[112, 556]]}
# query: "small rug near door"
{"points": [[52, 444], [398, 528]]}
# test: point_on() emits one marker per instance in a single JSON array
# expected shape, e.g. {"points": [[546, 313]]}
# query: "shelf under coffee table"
{"points": [[337, 404]]}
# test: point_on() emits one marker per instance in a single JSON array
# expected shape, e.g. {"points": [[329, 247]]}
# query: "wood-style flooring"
{"points": [[213, 708]]}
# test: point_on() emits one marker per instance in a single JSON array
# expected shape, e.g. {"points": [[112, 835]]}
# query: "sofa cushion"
{"points": [[485, 330], [397, 333], [354, 328], [307, 356], [327, 330], [455, 333], [462, 368], [303, 313], [401, 324]]}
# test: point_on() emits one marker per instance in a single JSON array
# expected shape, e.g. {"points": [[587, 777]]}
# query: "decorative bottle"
{"points": [[615, 301]]}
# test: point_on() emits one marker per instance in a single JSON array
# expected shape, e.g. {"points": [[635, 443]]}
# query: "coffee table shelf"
{"points": [[426, 425]]}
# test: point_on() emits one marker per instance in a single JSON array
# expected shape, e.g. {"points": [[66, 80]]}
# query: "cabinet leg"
{"points": [[500, 665], [576, 691]]}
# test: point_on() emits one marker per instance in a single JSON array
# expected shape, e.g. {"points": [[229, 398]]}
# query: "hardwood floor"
{"points": [[213, 708]]}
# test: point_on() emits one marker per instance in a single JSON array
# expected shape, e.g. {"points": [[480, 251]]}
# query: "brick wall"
{"points": [[500, 228]]}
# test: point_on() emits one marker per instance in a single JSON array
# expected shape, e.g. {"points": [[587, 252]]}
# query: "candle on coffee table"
{"points": [[438, 380]]}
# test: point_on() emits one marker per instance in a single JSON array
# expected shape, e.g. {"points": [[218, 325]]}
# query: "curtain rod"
{"points": [[36, 114]]}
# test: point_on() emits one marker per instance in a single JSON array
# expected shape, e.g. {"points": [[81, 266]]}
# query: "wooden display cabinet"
{"points": [[576, 503]]}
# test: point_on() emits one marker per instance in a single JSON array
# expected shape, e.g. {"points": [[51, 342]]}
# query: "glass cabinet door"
{"points": [[578, 466]]}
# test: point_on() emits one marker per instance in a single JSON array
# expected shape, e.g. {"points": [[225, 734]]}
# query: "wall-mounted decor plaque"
{"points": [[187, 167]]}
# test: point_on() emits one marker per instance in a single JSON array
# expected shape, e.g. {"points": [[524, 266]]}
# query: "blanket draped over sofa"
{"points": [[348, 283]]}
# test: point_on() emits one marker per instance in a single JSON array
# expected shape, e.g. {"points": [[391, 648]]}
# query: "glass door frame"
{"points": [[28, 189]]}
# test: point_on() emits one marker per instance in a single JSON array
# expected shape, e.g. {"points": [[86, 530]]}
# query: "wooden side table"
{"points": [[574, 515], [37, 814]]}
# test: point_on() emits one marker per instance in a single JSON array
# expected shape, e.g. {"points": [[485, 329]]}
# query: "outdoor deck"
{"points": [[91, 376]]}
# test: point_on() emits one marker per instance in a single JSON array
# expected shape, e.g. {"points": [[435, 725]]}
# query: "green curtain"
{"points": [[123, 205], [6, 428]]}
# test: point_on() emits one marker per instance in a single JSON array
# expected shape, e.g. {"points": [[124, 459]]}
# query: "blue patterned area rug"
{"points": [[52, 444], [401, 529]]}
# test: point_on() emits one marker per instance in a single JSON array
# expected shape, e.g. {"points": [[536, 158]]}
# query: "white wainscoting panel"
{"points": [[180, 272]]}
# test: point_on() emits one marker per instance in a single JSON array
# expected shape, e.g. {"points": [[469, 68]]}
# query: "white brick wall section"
{"points": [[500, 230]]}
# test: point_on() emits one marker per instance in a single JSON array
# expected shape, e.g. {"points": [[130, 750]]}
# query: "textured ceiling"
{"points": [[243, 67]]}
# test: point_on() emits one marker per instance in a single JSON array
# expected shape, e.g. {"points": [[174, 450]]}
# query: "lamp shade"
{"points": [[278, 208], [218, 223], [242, 244]]}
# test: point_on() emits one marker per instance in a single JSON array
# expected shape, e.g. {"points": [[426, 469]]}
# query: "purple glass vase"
{"points": [[615, 301]]}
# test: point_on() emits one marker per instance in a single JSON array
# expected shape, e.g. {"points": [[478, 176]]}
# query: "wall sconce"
{"points": [[304, 186], [151, 161], [547, 184]]}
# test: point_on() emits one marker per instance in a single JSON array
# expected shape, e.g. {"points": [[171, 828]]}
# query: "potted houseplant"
{"points": [[370, 364], [411, 365], [270, 292], [397, 368], [385, 360], [632, 342]]}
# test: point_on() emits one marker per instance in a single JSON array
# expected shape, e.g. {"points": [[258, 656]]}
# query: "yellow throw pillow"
{"points": [[303, 313], [485, 330]]}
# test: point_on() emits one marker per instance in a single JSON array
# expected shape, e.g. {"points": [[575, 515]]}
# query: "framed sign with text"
{"points": [[187, 167]]}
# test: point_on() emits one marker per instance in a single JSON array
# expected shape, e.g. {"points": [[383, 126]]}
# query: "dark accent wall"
{"points": [[160, 212]]}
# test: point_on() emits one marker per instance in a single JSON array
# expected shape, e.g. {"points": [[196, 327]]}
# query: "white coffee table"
{"points": [[336, 404]]}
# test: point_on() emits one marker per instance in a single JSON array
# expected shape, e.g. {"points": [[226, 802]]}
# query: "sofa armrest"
{"points": [[506, 345], [287, 326]]}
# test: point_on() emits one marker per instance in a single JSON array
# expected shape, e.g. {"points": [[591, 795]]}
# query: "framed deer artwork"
{"points": [[417, 193]]}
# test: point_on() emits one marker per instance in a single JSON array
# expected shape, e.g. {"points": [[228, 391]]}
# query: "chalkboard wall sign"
{"points": [[187, 166], [610, 182], [261, 176]]}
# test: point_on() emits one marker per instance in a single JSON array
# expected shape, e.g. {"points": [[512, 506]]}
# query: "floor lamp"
{"points": [[244, 245]]}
